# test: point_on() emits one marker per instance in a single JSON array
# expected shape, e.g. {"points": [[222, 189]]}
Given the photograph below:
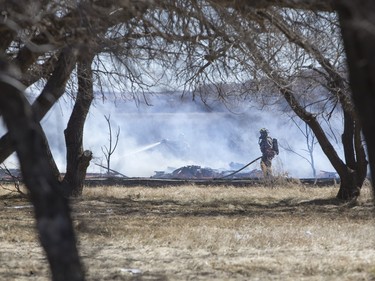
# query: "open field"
{"points": [[203, 233]]}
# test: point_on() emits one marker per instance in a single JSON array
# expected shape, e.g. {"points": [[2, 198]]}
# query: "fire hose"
{"points": [[235, 172]]}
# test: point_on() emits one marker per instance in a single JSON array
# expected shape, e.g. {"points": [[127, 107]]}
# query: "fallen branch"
{"points": [[114, 171]]}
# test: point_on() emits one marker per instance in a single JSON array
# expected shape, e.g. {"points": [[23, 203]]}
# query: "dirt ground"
{"points": [[202, 233]]}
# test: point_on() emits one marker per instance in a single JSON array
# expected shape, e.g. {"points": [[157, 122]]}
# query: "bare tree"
{"points": [[34, 46], [356, 24], [51, 207], [79, 159], [353, 171], [112, 143]]}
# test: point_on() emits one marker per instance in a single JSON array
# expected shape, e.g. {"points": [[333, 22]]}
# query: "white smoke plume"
{"points": [[175, 132]]}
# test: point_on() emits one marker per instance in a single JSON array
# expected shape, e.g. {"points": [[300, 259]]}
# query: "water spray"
{"points": [[147, 147]]}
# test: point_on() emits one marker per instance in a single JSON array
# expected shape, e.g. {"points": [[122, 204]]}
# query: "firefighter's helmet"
{"points": [[263, 132]]}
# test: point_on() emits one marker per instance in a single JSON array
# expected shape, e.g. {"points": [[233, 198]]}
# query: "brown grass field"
{"points": [[287, 232]]}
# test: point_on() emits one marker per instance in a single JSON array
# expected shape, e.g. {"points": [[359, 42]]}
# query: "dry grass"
{"points": [[204, 233]]}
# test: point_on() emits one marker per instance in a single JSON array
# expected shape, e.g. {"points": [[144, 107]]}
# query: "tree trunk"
{"points": [[52, 212], [350, 182], [350, 185], [357, 23], [353, 176], [77, 159], [53, 90]]}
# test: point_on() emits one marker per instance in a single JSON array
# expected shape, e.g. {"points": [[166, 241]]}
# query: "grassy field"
{"points": [[285, 232]]}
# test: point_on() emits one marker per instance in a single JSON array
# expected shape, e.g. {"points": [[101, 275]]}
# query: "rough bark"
{"points": [[78, 160], [357, 26], [52, 212]]}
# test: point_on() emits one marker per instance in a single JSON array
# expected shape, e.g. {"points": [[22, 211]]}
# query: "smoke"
{"points": [[175, 132]]}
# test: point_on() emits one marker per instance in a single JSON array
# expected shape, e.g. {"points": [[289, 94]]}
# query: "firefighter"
{"points": [[269, 148]]}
